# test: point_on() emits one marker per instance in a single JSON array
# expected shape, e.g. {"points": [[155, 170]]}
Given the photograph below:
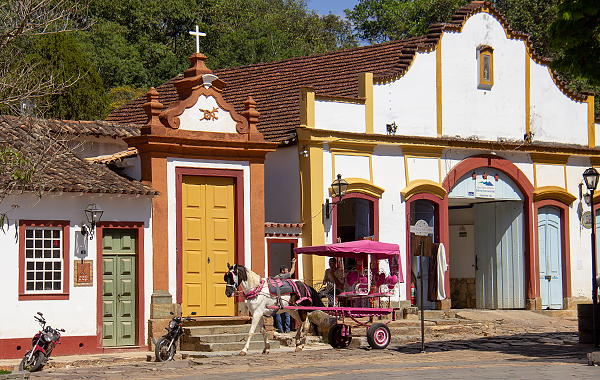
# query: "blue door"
{"points": [[550, 257], [499, 255]]}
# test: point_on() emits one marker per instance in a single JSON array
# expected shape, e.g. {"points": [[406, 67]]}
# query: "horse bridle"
{"points": [[235, 279]]}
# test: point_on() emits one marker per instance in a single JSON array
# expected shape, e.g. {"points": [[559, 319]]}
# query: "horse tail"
{"points": [[316, 298]]}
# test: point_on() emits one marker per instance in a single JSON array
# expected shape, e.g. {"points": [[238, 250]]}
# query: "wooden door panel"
{"points": [[193, 245], [550, 251], [220, 239], [118, 288]]}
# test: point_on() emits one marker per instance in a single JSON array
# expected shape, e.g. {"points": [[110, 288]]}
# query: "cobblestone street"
{"points": [[512, 345]]}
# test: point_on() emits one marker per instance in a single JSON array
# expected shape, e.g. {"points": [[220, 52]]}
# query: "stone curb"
{"points": [[15, 375]]}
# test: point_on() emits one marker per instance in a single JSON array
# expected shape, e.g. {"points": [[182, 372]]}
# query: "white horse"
{"points": [[258, 298]]}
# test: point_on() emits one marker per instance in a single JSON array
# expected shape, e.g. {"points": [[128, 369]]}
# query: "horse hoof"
{"points": [[243, 353], [298, 349], [265, 351]]}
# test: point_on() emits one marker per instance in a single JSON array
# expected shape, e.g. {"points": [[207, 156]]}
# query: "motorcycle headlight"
{"points": [[172, 324], [48, 336]]}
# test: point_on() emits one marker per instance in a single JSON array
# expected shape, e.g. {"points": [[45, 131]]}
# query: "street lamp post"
{"points": [[590, 177]]}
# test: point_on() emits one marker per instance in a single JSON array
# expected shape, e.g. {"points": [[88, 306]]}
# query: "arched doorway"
{"points": [[490, 235]]}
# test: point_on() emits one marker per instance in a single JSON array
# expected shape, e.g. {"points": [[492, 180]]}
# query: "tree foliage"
{"points": [[576, 35], [20, 20], [85, 98], [142, 44], [379, 21]]}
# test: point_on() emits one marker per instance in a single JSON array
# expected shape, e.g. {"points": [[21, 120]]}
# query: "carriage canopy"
{"points": [[357, 249]]}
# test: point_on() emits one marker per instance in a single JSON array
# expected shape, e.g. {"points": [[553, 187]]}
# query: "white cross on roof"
{"points": [[197, 34]]}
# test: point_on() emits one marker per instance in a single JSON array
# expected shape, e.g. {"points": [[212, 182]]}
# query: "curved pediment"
{"points": [[554, 193], [423, 186]]}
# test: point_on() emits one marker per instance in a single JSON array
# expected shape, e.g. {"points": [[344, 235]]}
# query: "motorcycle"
{"points": [[42, 345], [166, 346]]}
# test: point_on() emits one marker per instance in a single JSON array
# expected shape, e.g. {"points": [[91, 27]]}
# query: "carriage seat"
{"points": [[389, 285], [357, 284]]}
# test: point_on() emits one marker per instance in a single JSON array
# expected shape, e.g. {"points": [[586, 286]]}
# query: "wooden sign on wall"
{"points": [[83, 273]]}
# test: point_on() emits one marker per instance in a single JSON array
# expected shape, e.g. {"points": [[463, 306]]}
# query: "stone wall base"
{"points": [[161, 305], [534, 303], [462, 293]]}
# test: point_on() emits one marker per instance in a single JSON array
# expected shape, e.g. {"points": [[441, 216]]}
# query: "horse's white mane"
{"points": [[253, 279]]}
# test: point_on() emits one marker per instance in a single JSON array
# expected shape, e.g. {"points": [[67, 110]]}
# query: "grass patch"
{"points": [[4, 372]]}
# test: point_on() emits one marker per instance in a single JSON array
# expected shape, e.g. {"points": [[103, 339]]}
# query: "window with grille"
{"points": [[43, 259]]}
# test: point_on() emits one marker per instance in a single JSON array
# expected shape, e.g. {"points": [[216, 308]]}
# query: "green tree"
{"points": [[379, 21], [21, 20], [142, 44], [247, 32], [85, 98], [576, 35]]}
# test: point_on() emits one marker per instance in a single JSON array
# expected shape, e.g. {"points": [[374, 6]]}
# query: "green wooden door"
{"points": [[118, 288]]}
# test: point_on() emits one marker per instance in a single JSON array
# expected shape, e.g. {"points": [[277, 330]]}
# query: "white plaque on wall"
{"points": [[485, 187]]}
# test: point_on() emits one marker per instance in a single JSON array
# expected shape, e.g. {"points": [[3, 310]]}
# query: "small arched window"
{"points": [[485, 66]]}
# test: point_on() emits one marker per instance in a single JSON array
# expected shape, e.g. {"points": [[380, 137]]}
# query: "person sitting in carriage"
{"points": [[284, 317], [333, 276]]}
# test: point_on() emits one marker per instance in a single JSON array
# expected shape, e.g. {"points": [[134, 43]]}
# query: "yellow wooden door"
{"points": [[208, 244]]}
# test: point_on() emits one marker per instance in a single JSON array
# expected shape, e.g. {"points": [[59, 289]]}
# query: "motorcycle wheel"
{"points": [[162, 351], [34, 363]]}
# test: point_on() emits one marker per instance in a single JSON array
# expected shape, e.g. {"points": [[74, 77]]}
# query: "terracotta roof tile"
{"points": [[65, 171]]}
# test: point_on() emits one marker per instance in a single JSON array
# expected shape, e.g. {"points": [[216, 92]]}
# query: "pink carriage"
{"points": [[367, 290]]}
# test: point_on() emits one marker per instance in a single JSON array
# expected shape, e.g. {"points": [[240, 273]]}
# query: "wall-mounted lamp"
{"points": [[339, 187], [587, 198], [391, 128], [93, 213]]}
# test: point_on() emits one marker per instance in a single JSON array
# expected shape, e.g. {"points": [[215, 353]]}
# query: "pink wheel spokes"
{"points": [[381, 336]]}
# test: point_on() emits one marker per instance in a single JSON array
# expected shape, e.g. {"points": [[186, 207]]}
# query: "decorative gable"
{"points": [[201, 109]]}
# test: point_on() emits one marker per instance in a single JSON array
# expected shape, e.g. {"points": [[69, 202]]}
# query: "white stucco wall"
{"points": [[550, 175], [352, 166], [409, 101], [172, 164], [282, 186], [388, 173], [340, 116], [580, 237], [469, 111], [555, 117], [77, 315], [91, 146]]}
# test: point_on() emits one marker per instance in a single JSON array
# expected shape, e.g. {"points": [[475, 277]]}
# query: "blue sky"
{"points": [[336, 7]]}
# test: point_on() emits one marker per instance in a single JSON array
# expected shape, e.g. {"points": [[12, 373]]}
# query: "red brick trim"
{"points": [[139, 278], [64, 224], [289, 241], [238, 177], [565, 243], [15, 348]]}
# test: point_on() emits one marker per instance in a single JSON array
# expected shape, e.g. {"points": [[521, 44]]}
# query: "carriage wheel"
{"points": [[336, 339], [378, 336]]}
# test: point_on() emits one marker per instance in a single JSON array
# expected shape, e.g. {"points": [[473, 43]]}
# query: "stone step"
{"points": [[565, 314], [222, 338], [216, 330], [233, 346]]}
